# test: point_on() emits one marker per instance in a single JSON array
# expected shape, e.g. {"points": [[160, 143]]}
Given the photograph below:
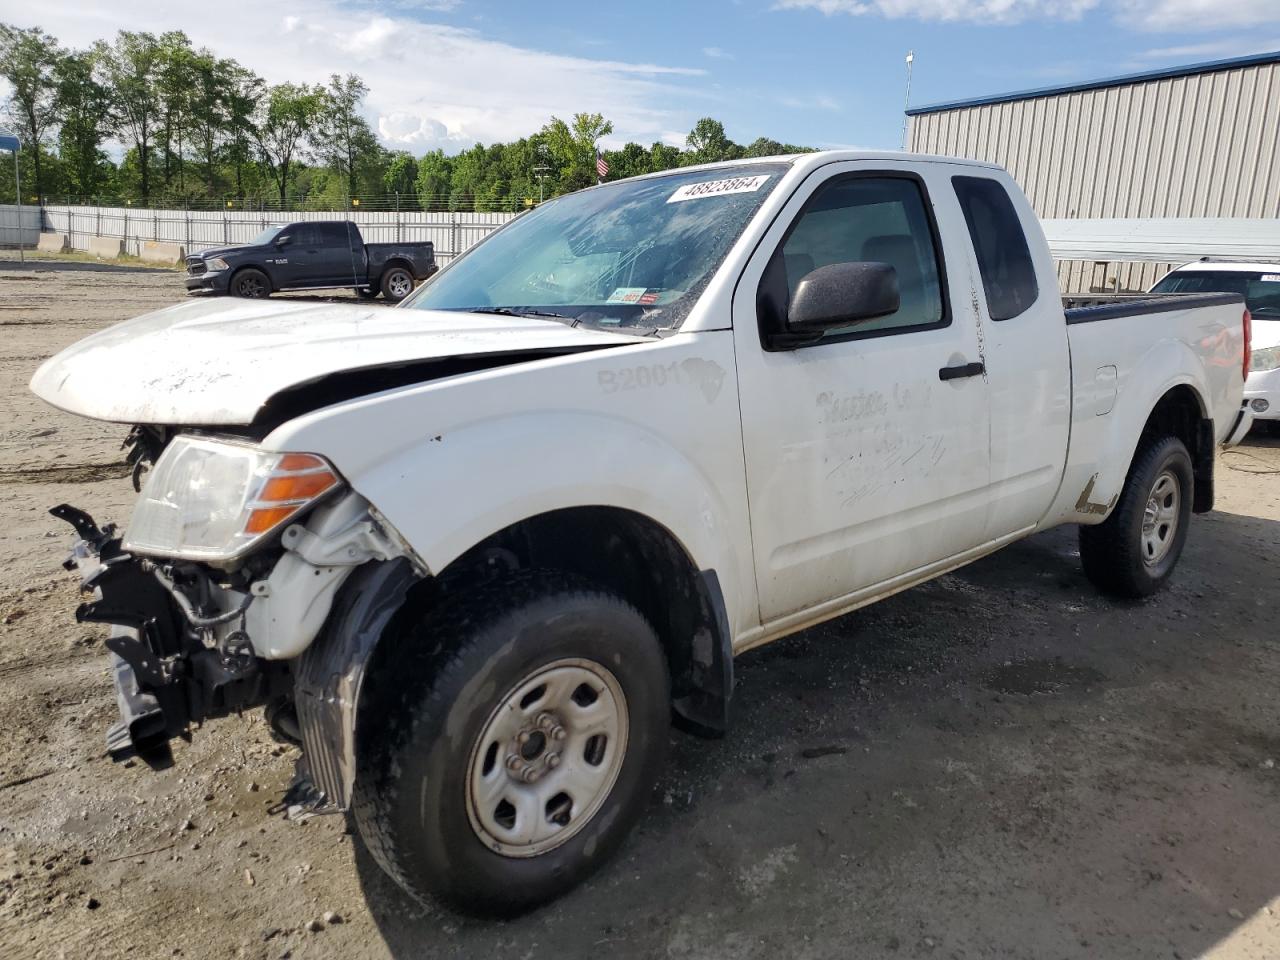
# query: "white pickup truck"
{"points": [[474, 553]]}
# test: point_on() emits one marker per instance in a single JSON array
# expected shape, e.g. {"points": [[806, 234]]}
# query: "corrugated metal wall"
{"points": [[1200, 145]]}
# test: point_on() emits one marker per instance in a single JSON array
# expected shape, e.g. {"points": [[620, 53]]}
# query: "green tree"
{"points": [[401, 175], [663, 156], [242, 91], [84, 111], [286, 113], [707, 143], [175, 83], [29, 61], [435, 180], [342, 138], [128, 68]]}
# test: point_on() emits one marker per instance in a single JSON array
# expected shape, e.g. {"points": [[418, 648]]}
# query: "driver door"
{"points": [[867, 452]]}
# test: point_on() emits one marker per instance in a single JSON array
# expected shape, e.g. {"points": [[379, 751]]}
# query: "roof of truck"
{"points": [[1231, 266], [819, 158]]}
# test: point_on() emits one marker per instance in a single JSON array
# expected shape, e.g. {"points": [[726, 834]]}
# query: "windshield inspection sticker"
{"points": [[627, 295], [717, 188], [1269, 277]]}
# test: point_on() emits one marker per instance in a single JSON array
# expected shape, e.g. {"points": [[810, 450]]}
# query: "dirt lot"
{"points": [[998, 764]]}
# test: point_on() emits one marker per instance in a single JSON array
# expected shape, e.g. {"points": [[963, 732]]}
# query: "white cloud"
{"points": [[982, 11], [716, 53], [1193, 16], [1185, 16], [430, 84], [1235, 47]]}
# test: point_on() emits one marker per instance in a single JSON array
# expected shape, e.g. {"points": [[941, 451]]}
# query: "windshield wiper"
{"points": [[508, 312]]}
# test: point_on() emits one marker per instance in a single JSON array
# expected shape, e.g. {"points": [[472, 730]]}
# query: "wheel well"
{"points": [[640, 560], [1180, 414], [249, 266], [395, 262]]}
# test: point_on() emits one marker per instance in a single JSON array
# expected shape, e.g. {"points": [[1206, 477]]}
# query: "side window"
{"points": [[1008, 274], [302, 235], [332, 234], [860, 218]]}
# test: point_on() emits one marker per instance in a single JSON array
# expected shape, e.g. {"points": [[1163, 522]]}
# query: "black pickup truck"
{"points": [[312, 255]]}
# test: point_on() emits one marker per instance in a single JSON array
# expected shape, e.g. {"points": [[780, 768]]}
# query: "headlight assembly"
{"points": [[213, 500], [1265, 359], [214, 264]]}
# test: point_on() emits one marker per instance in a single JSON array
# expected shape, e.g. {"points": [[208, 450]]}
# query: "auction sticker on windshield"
{"points": [[716, 188], [1269, 277]]}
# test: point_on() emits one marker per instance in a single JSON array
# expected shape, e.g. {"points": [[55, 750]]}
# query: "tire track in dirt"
{"points": [[72, 473]]}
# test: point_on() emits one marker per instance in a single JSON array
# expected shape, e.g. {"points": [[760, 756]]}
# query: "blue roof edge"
{"points": [[1208, 66]]}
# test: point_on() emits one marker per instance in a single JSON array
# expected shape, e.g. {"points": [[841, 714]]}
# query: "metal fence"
{"points": [[12, 231], [198, 230]]}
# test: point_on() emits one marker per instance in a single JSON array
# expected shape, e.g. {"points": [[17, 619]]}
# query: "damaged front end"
{"points": [[171, 669], [230, 591]]}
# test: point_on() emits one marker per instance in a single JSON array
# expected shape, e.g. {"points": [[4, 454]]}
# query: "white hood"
{"points": [[211, 362]]}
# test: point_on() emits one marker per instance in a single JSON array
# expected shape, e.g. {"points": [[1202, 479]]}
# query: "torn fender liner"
{"points": [[331, 672]]}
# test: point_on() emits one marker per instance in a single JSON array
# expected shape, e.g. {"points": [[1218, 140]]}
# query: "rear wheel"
{"points": [[251, 284], [397, 283], [522, 749], [1134, 551]]}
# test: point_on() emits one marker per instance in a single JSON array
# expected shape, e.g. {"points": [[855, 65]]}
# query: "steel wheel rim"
{"points": [[547, 758], [1160, 518], [399, 284]]}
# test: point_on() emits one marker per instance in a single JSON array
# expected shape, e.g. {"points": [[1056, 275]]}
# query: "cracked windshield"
{"points": [[631, 256]]}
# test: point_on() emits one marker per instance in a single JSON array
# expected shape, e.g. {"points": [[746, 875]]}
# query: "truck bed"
{"points": [[1126, 351]]}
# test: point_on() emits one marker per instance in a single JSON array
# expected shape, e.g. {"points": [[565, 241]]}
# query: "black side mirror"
{"points": [[843, 293]]}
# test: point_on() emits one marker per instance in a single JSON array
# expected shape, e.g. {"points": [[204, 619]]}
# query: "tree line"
{"points": [[202, 130]]}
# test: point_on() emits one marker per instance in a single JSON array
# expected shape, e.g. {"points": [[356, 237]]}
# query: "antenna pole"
{"points": [[906, 100]]}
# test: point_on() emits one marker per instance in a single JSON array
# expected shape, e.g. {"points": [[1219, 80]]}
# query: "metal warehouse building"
{"points": [[1195, 141]]}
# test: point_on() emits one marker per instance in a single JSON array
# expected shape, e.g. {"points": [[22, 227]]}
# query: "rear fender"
{"points": [[1106, 430]]}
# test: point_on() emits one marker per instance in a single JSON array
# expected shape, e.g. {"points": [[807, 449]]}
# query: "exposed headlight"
{"points": [[1265, 359], [213, 500], [214, 264]]}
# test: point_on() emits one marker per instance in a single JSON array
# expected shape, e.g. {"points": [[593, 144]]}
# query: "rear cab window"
{"points": [[1004, 260]]}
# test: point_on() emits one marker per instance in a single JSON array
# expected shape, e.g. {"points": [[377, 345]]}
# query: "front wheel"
{"points": [[1134, 551], [518, 733], [250, 283], [397, 283]]}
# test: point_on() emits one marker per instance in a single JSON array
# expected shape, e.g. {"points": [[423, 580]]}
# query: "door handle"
{"points": [[975, 369]]}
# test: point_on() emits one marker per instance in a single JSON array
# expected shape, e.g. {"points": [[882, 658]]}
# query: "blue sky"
{"points": [[449, 73]]}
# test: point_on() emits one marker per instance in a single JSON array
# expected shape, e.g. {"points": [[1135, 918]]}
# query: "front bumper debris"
{"points": [[167, 677]]}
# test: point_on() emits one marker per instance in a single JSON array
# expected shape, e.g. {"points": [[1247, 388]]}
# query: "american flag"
{"points": [[602, 165]]}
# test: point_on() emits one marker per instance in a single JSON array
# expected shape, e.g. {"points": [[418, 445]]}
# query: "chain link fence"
{"points": [[197, 230]]}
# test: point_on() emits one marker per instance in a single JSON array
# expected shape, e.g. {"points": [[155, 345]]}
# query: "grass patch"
{"points": [[82, 256]]}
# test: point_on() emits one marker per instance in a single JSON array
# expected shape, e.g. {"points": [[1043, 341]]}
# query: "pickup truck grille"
{"points": [[195, 266]]}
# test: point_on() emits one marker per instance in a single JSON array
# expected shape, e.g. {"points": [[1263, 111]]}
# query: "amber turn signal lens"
{"points": [[298, 479], [262, 520], [299, 486]]}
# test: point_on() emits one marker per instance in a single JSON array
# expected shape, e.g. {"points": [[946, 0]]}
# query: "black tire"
{"points": [[436, 691], [397, 283], [1122, 555], [250, 283]]}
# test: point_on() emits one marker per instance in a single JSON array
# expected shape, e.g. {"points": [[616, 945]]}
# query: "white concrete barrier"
{"points": [[157, 251], [107, 247], [53, 243]]}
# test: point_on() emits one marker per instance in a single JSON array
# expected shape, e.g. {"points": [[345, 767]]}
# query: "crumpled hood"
{"points": [[216, 362]]}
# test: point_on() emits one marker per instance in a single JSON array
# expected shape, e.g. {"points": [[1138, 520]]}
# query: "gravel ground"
{"points": [[998, 764]]}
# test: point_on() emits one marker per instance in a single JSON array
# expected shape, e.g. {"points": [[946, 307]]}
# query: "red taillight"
{"points": [[1248, 338]]}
